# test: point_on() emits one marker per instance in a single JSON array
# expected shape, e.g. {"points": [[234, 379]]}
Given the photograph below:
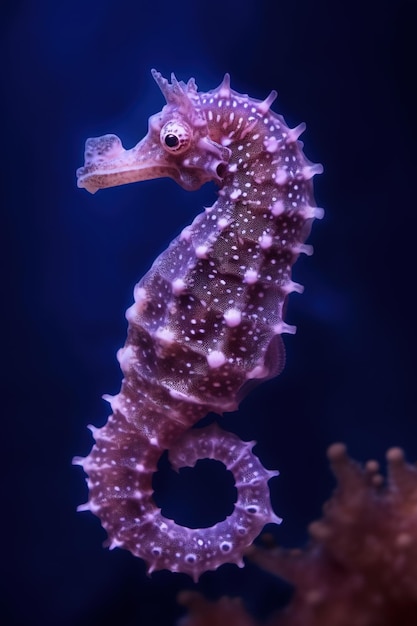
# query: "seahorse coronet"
{"points": [[206, 323]]}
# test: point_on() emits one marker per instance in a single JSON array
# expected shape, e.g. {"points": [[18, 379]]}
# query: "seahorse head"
{"points": [[177, 146]]}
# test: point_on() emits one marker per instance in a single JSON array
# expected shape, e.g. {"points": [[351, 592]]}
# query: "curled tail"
{"points": [[120, 468]]}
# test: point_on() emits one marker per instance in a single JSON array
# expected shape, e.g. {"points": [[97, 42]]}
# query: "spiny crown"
{"points": [[181, 96], [184, 133]]}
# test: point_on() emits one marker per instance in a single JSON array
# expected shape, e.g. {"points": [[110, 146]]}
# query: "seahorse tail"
{"points": [[120, 467]]}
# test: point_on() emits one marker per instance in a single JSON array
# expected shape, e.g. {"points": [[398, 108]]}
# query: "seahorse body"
{"points": [[207, 318]]}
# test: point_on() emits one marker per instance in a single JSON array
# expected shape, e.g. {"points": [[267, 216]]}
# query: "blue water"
{"points": [[76, 69]]}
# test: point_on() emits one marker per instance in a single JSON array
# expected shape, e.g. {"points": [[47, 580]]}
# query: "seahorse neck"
{"points": [[267, 168]]}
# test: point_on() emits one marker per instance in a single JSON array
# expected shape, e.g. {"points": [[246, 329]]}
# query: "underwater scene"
{"points": [[301, 507]]}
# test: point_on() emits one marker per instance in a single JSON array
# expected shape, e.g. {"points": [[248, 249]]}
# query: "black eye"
{"points": [[171, 140]]}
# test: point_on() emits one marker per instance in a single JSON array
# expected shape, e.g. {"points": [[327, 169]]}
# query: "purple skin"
{"points": [[206, 323]]}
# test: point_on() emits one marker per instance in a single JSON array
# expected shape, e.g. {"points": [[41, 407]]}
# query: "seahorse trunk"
{"points": [[207, 319]]}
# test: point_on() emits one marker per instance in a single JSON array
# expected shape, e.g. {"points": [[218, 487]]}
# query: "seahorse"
{"points": [[207, 318]]}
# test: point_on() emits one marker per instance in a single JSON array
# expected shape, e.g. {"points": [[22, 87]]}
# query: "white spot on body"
{"points": [[178, 286], [277, 208], [271, 144], [250, 277], [232, 317], [201, 252], [222, 223], [265, 241], [164, 335], [235, 194], [281, 177], [215, 358]]}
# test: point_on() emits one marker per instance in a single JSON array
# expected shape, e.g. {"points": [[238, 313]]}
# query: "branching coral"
{"points": [[360, 565]]}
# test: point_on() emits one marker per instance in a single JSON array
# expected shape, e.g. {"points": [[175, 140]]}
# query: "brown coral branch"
{"points": [[224, 612], [360, 565]]}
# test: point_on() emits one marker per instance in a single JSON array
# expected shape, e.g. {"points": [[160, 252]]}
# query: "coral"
{"points": [[360, 565], [202, 612]]}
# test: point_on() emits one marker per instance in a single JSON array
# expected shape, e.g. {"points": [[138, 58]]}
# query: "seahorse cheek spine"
{"points": [[207, 318]]}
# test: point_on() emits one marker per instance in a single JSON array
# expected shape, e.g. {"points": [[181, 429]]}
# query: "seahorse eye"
{"points": [[175, 136], [171, 140]]}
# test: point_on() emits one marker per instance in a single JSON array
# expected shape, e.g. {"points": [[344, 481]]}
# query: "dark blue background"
{"points": [[77, 69]]}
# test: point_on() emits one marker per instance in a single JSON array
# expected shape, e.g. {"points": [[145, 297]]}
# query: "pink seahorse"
{"points": [[207, 318]]}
